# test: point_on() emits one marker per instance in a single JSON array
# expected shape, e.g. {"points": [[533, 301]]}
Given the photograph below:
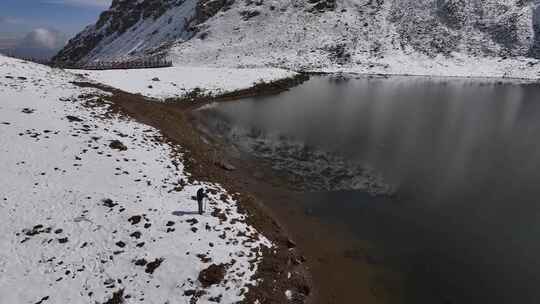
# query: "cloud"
{"points": [[41, 43], [90, 3], [43, 38]]}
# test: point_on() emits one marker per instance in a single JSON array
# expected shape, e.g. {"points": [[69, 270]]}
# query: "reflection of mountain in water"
{"points": [[307, 167]]}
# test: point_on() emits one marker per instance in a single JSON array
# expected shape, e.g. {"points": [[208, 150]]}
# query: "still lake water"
{"points": [[444, 174]]}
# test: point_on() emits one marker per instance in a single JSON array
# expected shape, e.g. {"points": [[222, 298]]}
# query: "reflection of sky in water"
{"points": [[464, 154]]}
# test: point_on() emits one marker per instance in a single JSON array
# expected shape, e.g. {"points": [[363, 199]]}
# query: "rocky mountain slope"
{"points": [[309, 34], [131, 28]]}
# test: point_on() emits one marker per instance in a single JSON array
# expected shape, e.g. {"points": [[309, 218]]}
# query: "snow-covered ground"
{"points": [[440, 66], [92, 204], [177, 82]]}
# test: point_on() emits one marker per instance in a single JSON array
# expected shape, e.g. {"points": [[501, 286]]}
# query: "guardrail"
{"points": [[145, 63]]}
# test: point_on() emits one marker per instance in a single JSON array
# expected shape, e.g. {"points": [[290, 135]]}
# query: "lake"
{"points": [[443, 174]]}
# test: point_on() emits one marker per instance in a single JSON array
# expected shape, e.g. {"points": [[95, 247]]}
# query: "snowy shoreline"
{"points": [[94, 205], [182, 82]]}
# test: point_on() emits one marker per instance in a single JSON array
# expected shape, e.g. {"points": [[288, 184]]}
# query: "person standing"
{"points": [[200, 200]]}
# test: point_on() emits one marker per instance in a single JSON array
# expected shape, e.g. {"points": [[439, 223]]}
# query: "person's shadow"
{"points": [[182, 213]]}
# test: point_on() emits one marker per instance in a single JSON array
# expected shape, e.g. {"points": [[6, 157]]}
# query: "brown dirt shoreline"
{"points": [[321, 270]]}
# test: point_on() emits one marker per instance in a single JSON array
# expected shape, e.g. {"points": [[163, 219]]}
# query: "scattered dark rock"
{"points": [[121, 244], [37, 229], [42, 300], [152, 266], [63, 240], [190, 292], [73, 118], [141, 262], [248, 14], [212, 275], [135, 219], [194, 294], [169, 224], [28, 111], [136, 235], [216, 299], [204, 258], [117, 145], [109, 203], [192, 221], [117, 297], [219, 214], [155, 79]]}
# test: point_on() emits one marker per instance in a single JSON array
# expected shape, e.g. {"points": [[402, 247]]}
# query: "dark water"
{"points": [[460, 158]]}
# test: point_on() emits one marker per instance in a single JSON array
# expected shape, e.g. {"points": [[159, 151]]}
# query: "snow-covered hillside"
{"points": [[132, 28], [418, 37], [94, 208], [442, 37]]}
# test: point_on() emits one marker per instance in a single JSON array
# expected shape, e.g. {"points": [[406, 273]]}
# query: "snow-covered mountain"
{"points": [[134, 28], [310, 34]]}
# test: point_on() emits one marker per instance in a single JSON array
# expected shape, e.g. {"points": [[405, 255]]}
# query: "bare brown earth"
{"points": [[316, 264]]}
